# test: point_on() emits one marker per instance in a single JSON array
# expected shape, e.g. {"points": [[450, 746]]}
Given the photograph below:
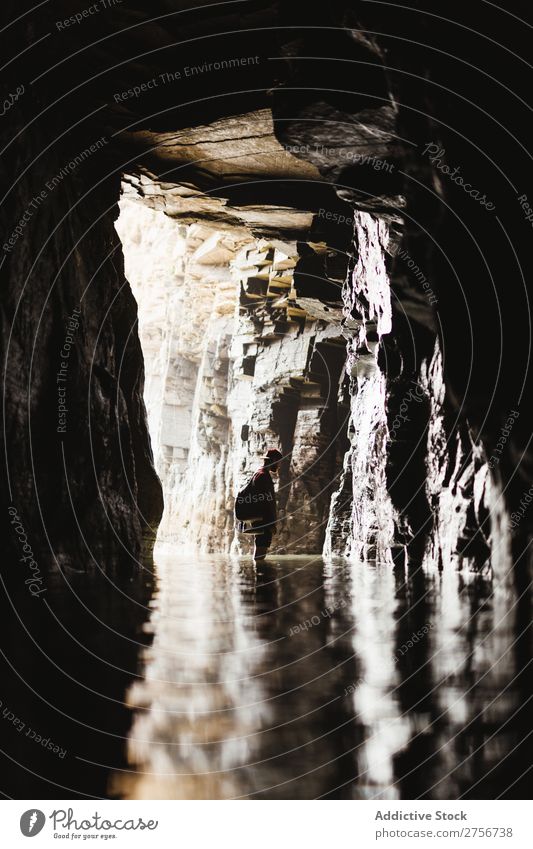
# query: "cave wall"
{"points": [[367, 531], [79, 466], [269, 154], [416, 486], [234, 365], [238, 358]]}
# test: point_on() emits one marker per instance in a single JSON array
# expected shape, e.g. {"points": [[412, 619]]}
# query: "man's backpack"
{"points": [[245, 506]]}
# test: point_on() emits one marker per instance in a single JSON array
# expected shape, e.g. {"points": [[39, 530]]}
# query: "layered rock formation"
{"points": [[236, 363], [240, 355]]}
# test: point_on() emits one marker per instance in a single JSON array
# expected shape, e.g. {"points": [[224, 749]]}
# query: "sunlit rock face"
{"points": [[187, 296], [154, 268], [470, 526], [241, 356], [235, 364], [361, 517]]}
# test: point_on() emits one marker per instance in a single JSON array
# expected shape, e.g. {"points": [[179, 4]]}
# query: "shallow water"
{"points": [[304, 678], [68, 658]]}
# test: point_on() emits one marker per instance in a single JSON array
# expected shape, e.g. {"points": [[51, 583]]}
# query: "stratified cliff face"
{"points": [[236, 363], [332, 286], [241, 354]]}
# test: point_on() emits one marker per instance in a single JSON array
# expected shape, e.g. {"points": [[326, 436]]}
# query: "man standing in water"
{"points": [[264, 496]]}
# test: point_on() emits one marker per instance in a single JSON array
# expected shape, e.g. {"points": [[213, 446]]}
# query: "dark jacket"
{"points": [[263, 490]]}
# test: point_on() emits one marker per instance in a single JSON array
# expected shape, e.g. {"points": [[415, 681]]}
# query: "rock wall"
{"points": [[79, 467], [361, 519], [235, 364], [416, 485], [240, 357]]}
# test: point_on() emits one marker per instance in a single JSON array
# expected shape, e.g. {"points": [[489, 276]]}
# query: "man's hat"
{"points": [[273, 455]]}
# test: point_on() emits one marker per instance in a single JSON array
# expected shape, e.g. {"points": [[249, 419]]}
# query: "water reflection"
{"points": [[68, 659], [303, 678]]}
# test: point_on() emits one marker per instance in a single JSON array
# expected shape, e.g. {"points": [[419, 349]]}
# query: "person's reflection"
{"points": [[307, 673]]}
